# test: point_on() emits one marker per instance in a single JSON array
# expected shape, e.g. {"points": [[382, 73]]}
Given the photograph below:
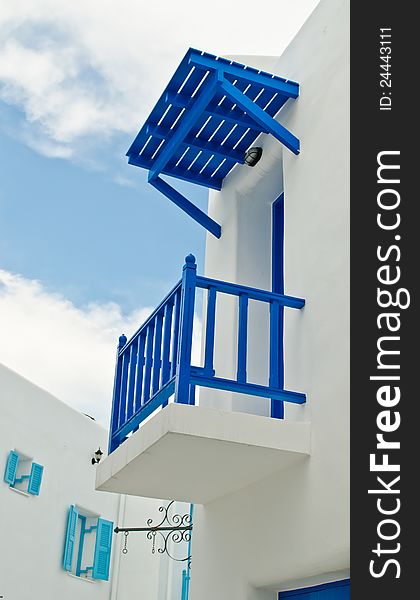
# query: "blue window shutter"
{"points": [[11, 467], [35, 479], [102, 550], [70, 539]]}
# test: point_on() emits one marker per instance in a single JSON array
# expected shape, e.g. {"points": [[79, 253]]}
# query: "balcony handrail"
{"points": [[155, 363], [236, 289]]}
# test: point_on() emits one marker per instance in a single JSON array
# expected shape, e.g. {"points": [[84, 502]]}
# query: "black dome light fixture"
{"points": [[252, 156]]}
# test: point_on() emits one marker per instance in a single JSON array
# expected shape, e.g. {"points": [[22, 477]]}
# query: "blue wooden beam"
{"points": [[164, 133], [213, 110], [184, 175], [267, 123], [187, 121], [187, 206], [277, 84]]}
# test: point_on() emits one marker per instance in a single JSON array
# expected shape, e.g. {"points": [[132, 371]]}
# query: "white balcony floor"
{"points": [[196, 454]]}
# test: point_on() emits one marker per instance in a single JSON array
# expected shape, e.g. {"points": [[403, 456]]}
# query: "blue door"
{"points": [[338, 590]]}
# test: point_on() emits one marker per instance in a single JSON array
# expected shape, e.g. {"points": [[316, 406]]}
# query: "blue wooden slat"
{"points": [[11, 467], [116, 395], [70, 539], [139, 371], [160, 399], [124, 381], [236, 115], [210, 329], [251, 75], [35, 479], [166, 344], [275, 344], [188, 120], [132, 378], [242, 337], [102, 554], [149, 361], [157, 353], [175, 333]]}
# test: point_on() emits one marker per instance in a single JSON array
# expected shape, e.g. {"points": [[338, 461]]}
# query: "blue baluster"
{"points": [[189, 273], [276, 341], [149, 361], [132, 378], [166, 346], [116, 396], [175, 336], [242, 337], [157, 353], [210, 328]]}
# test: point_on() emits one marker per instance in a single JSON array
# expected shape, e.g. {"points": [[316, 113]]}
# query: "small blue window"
{"points": [[87, 547], [337, 590], [22, 474]]}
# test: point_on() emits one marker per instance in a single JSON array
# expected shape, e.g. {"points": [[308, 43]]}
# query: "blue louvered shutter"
{"points": [[70, 539], [35, 479], [11, 467], [102, 550]]}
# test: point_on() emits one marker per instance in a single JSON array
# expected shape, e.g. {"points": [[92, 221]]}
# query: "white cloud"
{"points": [[79, 69], [67, 350]]}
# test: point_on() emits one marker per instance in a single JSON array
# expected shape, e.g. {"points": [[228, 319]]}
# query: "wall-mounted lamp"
{"points": [[97, 456], [252, 156]]}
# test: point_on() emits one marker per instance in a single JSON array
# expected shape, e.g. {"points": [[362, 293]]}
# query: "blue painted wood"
{"points": [[132, 378], [175, 335], [115, 409], [102, 554], [166, 343], [188, 120], [124, 383], [274, 344], [11, 467], [277, 279], [157, 352], [70, 538], [146, 410], [79, 569], [182, 382], [242, 337], [210, 329], [166, 340], [35, 479], [267, 123], [148, 363], [337, 590], [196, 134], [199, 377], [237, 71], [253, 293], [139, 371], [187, 206]]}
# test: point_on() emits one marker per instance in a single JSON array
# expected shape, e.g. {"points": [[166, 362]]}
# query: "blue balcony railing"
{"points": [[156, 362]]}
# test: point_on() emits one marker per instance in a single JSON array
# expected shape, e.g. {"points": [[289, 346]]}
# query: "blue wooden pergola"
{"points": [[209, 114]]}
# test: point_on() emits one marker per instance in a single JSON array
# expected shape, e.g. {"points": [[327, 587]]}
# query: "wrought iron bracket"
{"points": [[176, 529]]}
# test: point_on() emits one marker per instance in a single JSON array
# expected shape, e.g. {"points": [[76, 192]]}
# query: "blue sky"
{"points": [[84, 234], [87, 247]]}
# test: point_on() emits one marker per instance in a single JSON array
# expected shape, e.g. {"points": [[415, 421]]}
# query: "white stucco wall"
{"points": [[32, 529], [291, 528]]}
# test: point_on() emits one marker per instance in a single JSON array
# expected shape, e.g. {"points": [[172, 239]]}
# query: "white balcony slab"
{"points": [[196, 454]]}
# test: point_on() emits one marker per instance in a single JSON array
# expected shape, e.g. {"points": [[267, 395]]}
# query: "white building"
{"points": [[39, 429], [271, 495]]}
